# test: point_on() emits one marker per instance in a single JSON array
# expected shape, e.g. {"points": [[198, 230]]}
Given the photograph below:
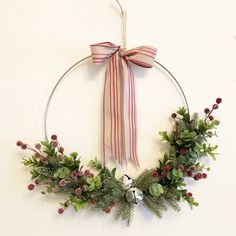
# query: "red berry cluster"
{"points": [[209, 111], [39, 154], [192, 172], [21, 144], [199, 176], [37, 149], [79, 173], [166, 170]]}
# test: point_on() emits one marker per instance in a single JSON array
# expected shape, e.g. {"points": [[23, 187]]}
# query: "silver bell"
{"points": [[134, 195], [127, 182]]}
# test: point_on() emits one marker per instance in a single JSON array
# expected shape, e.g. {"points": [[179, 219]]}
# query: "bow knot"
{"points": [[119, 112], [122, 53]]}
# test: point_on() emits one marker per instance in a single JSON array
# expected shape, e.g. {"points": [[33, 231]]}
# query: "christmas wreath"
{"points": [[98, 188]]}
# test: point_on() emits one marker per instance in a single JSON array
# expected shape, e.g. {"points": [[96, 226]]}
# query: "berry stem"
{"points": [[207, 115], [30, 148]]}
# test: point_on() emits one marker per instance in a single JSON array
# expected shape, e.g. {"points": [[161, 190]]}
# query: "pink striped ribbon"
{"points": [[119, 112]]}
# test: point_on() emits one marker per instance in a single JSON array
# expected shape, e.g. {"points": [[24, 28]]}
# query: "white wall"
{"points": [[196, 40]]}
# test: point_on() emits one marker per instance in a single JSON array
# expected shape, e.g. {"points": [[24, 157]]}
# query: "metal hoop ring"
{"points": [[70, 69]]}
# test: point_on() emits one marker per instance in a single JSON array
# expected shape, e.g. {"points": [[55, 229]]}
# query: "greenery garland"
{"points": [[160, 187]]}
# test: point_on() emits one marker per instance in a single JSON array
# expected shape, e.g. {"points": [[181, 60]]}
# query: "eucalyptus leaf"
{"points": [[156, 189], [61, 172]]}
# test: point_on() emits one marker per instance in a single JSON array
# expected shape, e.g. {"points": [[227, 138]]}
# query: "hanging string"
{"points": [[124, 17]]}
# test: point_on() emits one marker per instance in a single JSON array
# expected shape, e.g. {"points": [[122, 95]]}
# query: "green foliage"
{"points": [[125, 211], [45, 172], [95, 165], [156, 189], [34, 173], [145, 179], [175, 175], [61, 173], [111, 190], [76, 203], [94, 183], [31, 162], [48, 148], [154, 206], [172, 197], [191, 202], [162, 186]]}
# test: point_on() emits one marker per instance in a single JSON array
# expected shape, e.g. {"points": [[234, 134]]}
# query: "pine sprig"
{"points": [[125, 211], [145, 179], [153, 206]]}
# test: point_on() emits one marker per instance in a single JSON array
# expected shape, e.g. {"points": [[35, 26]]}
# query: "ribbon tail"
{"points": [[119, 113], [111, 131], [129, 135]]}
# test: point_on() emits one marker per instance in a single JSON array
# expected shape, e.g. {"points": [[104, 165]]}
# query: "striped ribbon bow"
{"points": [[119, 113]]}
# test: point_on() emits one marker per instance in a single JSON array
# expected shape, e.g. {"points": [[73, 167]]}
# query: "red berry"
{"points": [[189, 173], [44, 160], [215, 106], [206, 110], [62, 183], [167, 168], [19, 143], [211, 118], [107, 210], [54, 143], [183, 151], [204, 175], [173, 115], [195, 177], [61, 150], [37, 146], [73, 174], [155, 174], [53, 137], [60, 210], [164, 173], [113, 203], [78, 191], [193, 168], [189, 194], [199, 176], [31, 187], [219, 100], [85, 188], [23, 146], [92, 201], [87, 172], [37, 155]]}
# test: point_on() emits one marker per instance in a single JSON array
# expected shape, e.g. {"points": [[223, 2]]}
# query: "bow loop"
{"points": [[102, 51], [143, 56]]}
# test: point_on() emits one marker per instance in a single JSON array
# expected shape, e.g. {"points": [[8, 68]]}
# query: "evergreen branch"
{"points": [[153, 206]]}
